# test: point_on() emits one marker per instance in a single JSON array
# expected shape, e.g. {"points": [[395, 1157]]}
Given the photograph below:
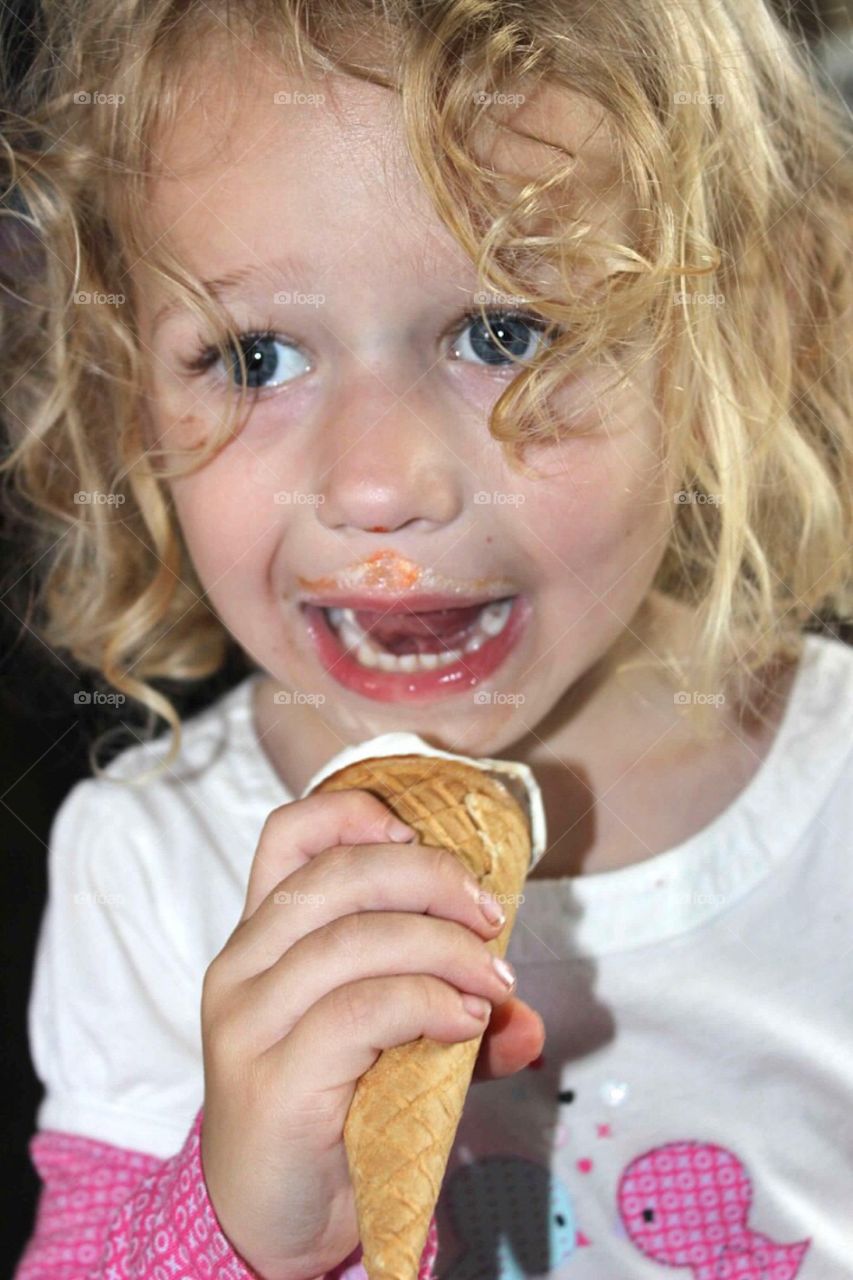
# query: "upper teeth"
{"points": [[491, 622]]}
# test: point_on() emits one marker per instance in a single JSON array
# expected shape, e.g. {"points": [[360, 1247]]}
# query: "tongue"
{"points": [[430, 632]]}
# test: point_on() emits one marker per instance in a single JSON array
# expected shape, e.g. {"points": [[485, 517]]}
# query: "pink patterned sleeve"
{"points": [[106, 1213]]}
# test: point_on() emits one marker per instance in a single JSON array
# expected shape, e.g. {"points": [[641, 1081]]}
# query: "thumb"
{"points": [[514, 1037]]}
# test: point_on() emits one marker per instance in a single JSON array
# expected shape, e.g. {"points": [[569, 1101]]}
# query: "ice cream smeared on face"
{"points": [[383, 569], [388, 571]]}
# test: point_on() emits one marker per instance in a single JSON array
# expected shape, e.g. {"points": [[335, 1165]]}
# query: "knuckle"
{"points": [[221, 1067], [354, 803], [365, 810], [217, 1041], [427, 992], [229, 1029], [443, 864], [212, 984], [223, 1022], [336, 864], [472, 959], [367, 804], [357, 1005], [358, 872], [346, 934], [276, 823]]}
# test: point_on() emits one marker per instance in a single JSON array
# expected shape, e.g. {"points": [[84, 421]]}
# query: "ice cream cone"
{"points": [[406, 1108]]}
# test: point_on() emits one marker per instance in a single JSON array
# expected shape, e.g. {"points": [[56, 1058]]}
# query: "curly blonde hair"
{"points": [[736, 162]]}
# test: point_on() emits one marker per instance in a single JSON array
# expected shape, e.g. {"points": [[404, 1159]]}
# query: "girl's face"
{"points": [[368, 445]]}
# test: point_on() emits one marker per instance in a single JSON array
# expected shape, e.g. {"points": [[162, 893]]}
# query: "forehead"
{"points": [[272, 164]]}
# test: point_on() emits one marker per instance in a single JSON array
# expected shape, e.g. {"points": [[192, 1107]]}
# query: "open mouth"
{"points": [[418, 641], [394, 655]]}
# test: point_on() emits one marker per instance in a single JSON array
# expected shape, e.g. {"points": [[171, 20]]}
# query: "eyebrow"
{"points": [[279, 269]]}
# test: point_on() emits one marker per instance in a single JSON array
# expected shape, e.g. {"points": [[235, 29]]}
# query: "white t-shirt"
{"points": [[693, 1108]]}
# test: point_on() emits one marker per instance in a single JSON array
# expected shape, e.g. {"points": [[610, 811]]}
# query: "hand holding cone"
{"points": [[406, 1109]]}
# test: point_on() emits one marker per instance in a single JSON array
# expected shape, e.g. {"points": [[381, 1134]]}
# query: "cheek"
{"points": [[604, 505], [604, 515], [601, 510], [229, 530]]}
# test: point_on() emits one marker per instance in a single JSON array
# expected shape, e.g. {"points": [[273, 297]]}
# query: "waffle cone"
{"points": [[406, 1108]]}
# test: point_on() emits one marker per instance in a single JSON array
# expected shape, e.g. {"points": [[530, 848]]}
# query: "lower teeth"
{"points": [[358, 643]]}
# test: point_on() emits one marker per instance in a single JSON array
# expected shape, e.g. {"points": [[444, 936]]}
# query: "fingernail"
{"points": [[489, 907], [504, 971], [477, 1007], [400, 831]]}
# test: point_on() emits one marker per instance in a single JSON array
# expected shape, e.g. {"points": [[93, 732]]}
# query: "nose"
{"points": [[386, 462]]}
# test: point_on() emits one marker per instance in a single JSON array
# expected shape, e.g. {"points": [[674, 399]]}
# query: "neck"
{"points": [[624, 774]]}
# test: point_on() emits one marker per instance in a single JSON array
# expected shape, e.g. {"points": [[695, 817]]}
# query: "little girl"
{"points": [[559, 472]]}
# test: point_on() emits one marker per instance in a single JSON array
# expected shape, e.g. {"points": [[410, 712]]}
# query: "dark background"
{"points": [[45, 736]]}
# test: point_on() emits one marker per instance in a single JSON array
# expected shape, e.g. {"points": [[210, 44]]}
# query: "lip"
{"points": [[402, 686], [386, 603]]}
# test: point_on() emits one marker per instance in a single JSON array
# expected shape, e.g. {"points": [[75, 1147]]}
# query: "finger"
{"points": [[342, 1035], [514, 1038], [296, 832], [368, 945], [350, 879]]}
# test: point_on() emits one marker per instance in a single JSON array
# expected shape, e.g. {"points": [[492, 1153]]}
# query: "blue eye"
{"points": [[520, 332], [270, 361]]}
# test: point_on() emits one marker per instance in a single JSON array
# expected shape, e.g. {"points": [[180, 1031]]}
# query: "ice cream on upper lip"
{"points": [[390, 629], [386, 574]]}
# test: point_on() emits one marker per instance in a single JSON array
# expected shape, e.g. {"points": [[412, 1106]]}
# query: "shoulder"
{"points": [[814, 749], [122, 798], [145, 883], [205, 739], [825, 683], [173, 850], [216, 769]]}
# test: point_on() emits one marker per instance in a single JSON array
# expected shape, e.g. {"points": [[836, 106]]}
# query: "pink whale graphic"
{"points": [[686, 1205]]}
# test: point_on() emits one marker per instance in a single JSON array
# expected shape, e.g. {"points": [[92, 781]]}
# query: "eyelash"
{"points": [[207, 355]]}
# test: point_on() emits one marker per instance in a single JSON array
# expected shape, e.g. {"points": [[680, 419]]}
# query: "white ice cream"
{"points": [[519, 777]]}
